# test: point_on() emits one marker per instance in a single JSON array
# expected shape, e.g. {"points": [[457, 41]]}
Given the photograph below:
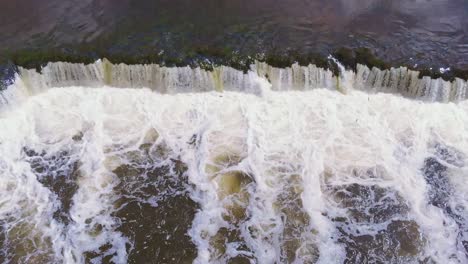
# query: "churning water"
{"points": [[227, 167]]}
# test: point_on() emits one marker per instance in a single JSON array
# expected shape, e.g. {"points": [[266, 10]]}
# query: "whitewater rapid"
{"points": [[232, 169]]}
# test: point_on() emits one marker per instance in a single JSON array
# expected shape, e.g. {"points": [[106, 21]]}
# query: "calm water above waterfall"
{"points": [[432, 32]]}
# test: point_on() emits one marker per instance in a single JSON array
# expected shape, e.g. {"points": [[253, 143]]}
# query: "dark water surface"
{"points": [[429, 32]]}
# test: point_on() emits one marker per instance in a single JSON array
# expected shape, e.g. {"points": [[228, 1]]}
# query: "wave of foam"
{"points": [[125, 175]]}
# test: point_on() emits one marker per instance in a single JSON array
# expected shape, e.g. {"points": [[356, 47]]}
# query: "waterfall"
{"points": [[173, 80], [223, 166]]}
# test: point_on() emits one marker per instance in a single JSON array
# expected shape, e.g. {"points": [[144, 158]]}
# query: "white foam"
{"points": [[320, 135]]}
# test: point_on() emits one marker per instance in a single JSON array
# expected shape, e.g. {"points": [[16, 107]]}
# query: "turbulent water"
{"points": [[272, 166]]}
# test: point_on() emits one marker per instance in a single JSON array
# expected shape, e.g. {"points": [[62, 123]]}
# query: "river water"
{"points": [[429, 32], [116, 163]]}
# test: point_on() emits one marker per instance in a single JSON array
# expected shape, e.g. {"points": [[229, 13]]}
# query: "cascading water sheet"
{"points": [[254, 174]]}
